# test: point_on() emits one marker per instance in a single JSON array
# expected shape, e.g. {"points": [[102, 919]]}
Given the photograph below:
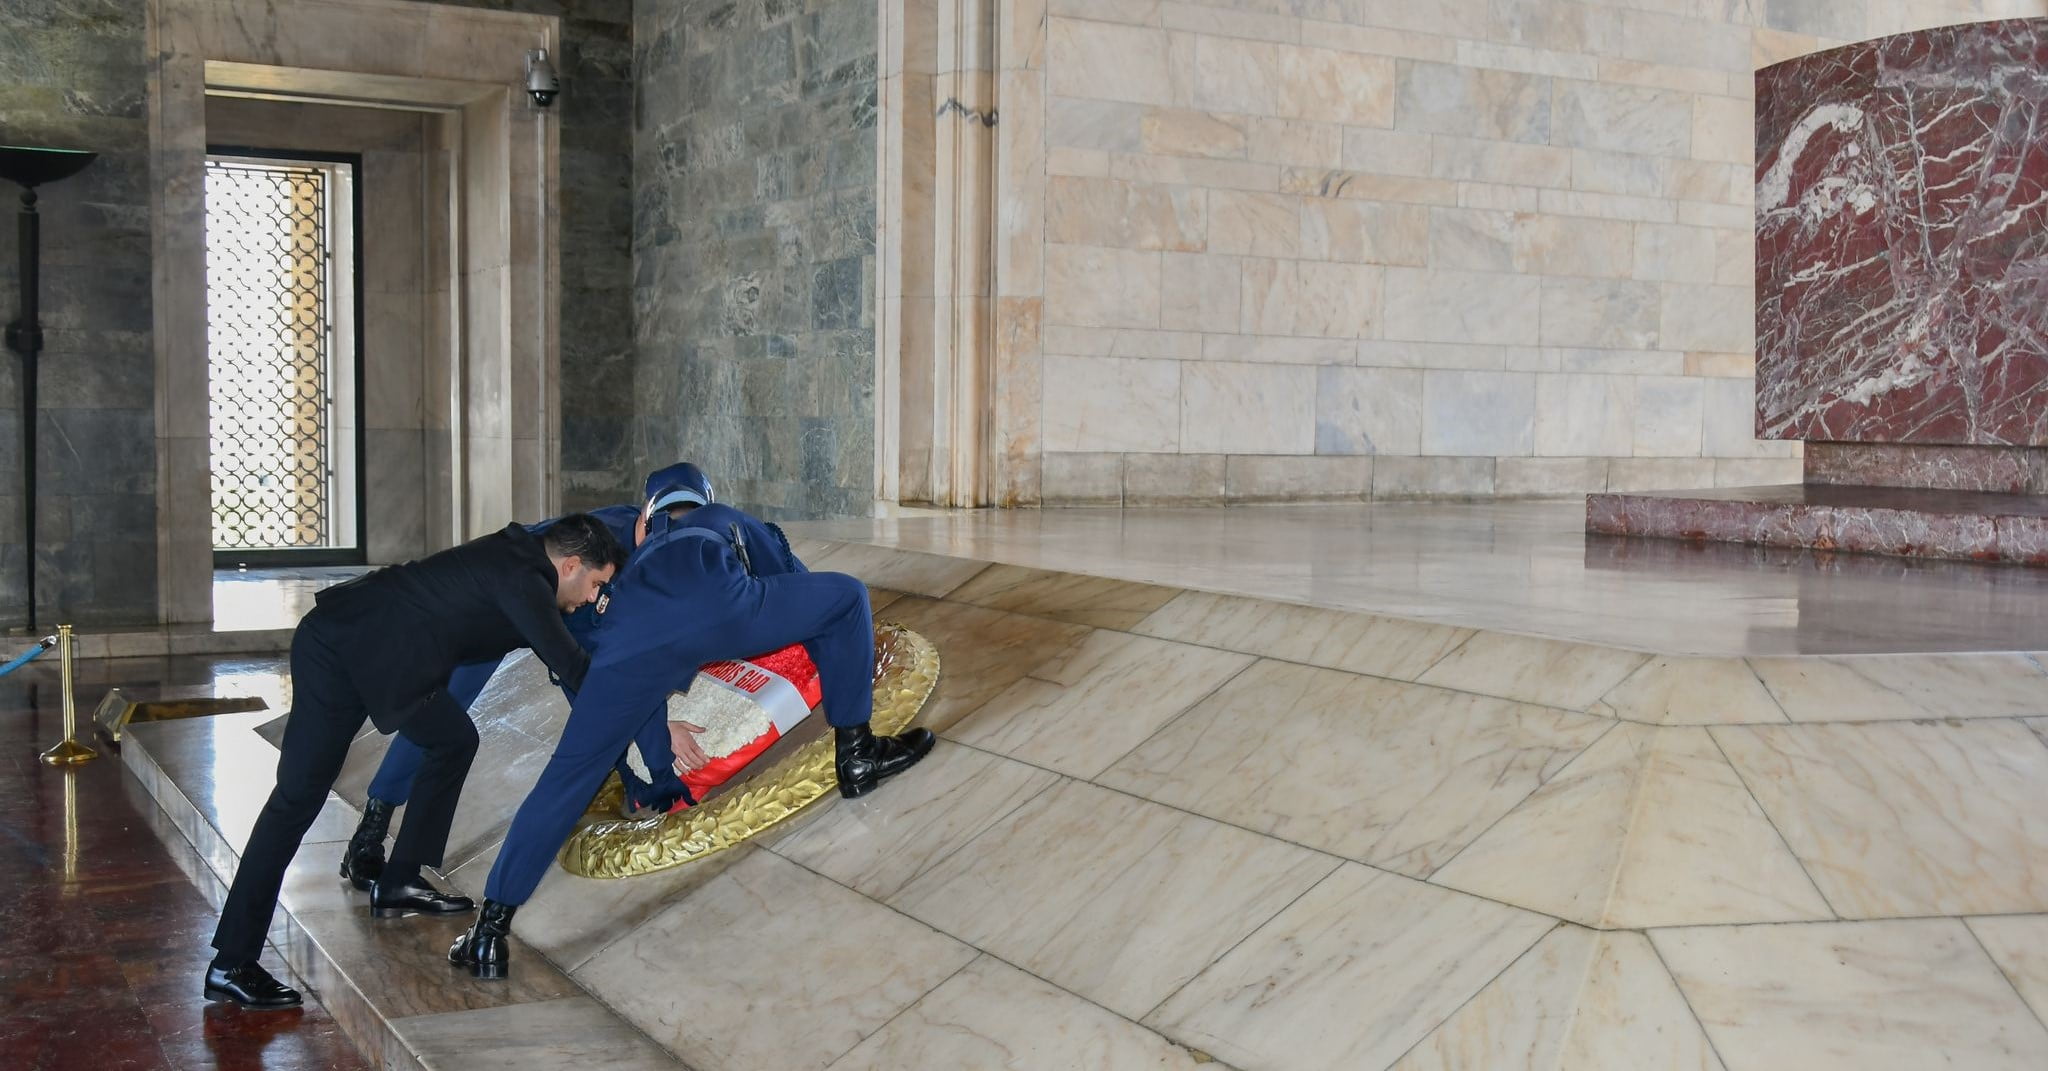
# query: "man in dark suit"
{"points": [[382, 646]]}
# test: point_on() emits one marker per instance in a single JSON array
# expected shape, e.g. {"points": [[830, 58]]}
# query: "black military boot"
{"points": [[866, 759], [363, 863], [483, 949]]}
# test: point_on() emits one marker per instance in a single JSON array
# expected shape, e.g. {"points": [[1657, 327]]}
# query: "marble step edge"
{"points": [[1636, 685], [384, 1041]]}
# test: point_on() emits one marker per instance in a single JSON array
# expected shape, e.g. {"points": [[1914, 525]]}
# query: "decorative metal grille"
{"points": [[268, 337]]}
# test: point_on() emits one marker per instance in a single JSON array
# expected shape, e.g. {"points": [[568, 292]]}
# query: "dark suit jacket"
{"points": [[402, 629]]}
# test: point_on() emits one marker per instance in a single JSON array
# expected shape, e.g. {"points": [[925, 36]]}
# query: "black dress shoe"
{"points": [[363, 863], [483, 948], [865, 760], [250, 986], [388, 901]]}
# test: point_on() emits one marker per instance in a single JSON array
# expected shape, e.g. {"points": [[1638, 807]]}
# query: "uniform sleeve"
{"points": [[531, 608]]}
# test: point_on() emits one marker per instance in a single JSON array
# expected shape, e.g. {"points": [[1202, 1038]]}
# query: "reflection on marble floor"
{"points": [[267, 597], [1525, 567], [1165, 827]]}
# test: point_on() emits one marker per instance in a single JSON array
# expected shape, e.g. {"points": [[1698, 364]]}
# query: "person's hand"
{"points": [[682, 738]]}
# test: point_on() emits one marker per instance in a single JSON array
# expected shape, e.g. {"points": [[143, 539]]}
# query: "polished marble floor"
{"points": [[104, 920], [1525, 567], [1168, 827]]}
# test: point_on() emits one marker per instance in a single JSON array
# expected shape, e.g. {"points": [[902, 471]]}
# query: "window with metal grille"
{"points": [[281, 357]]}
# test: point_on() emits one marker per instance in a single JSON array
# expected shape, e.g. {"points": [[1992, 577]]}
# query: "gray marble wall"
{"points": [[74, 78], [596, 108], [753, 247]]}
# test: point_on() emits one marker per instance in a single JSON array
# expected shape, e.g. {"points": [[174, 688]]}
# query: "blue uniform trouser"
{"points": [[826, 612], [402, 758]]}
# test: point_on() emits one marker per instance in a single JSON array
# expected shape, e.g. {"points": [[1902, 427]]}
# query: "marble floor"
{"points": [[1167, 826], [105, 913], [1525, 567]]}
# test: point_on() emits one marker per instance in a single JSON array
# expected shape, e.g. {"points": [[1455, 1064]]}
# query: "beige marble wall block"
{"points": [[1720, 44], [1472, 239], [1270, 349], [1601, 362], [1351, 975], [1254, 224], [1728, 423], [1614, 313], [1569, 27], [1364, 232], [1487, 160], [1469, 102], [1083, 479], [1200, 292], [1177, 132], [1632, 119], [1128, 215], [1386, 152], [1526, 60], [1136, 12], [1089, 163], [1672, 253], [1756, 472], [1659, 474], [1248, 409], [1432, 477], [1735, 258], [1549, 476], [1721, 365], [1560, 245], [1669, 412], [1624, 173], [1720, 318], [1368, 411], [1580, 999], [1122, 342], [1840, 996], [1103, 404], [1106, 125], [1297, 142], [1270, 297], [1095, 287], [1100, 61], [1724, 128], [1703, 180], [1330, 86], [1482, 414], [1447, 306], [1585, 416], [1238, 76], [1268, 23], [1295, 479], [1338, 300], [1173, 479], [1364, 186], [1607, 206], [1194, 171]]}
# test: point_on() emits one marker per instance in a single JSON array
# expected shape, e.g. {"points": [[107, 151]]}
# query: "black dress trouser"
{"points": [[326, 715]]}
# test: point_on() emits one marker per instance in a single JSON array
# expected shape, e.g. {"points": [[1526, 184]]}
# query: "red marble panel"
{"points": [[1954, 525], [2006, 469], [1902, 240]]}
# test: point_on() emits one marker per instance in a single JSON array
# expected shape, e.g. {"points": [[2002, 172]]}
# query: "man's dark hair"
{"points": [[580, 535]]}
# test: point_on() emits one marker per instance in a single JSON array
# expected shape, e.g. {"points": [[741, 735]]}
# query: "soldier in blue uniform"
{"points": [[362, 862], [711, 584]]}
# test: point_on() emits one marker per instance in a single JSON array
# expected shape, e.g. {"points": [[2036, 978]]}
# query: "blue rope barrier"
{"points": [[30, 655]]}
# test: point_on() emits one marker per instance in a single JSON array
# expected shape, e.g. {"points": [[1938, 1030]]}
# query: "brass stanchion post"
{"points": [[68, 751]]}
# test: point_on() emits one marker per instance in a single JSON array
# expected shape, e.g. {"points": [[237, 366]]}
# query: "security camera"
{"points": [[541, 82]]}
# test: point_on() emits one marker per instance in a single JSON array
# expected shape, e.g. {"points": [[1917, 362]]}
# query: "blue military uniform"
{"points": [[719, 584]]}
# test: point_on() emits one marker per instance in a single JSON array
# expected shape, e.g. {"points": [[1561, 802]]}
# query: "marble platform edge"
{"points": [[1959, 533], [387, 1041], [1625, 684]]}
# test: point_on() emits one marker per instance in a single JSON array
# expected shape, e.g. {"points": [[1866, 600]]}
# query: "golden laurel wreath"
{"points": [[907, 669]]}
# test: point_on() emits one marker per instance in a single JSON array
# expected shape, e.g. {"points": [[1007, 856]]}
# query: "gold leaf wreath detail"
{"points": [[623, 848]]}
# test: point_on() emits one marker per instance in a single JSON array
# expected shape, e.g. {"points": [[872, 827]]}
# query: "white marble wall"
{"points": [[1325, 248]]}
